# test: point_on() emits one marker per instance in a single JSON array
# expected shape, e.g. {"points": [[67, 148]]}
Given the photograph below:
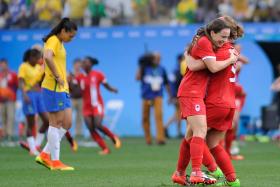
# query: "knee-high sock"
{"points": [[54, 142], [69, 138], [31, 144], [39, 139], [96, 137], [224, 162], [208, 160], [196, 151], [109, 133], [230, 136], [61, 132], [184, 157]]}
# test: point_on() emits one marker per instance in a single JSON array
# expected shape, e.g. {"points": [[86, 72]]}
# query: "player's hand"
{"points": [[60, 82], [26, 99], [114, 90], [233, 56]]}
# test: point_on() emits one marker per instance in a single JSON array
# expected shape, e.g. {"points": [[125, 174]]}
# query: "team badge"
{"points": [[197, 108]]}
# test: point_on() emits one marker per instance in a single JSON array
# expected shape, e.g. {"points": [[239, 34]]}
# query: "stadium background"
{"points": [[119, 48]]}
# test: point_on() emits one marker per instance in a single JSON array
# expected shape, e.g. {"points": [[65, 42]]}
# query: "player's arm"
{"points": [[194, 64], [215, 66], [243, 59], [109, 87], [139, 73], [21, 84], [48, 56]]}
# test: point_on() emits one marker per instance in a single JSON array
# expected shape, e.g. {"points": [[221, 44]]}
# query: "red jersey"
{"points": [[92, 99], [8, 86], [221, 87], [194, 83]]}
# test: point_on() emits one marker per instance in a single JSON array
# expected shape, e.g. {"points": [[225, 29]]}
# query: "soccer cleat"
{"points": [[104, 152], [198, 177], [217, 174], [25, 146], [237, 157], [118, 142], [235, 183], [58, 165], [179, 178], [74, 147], [44, 159]]}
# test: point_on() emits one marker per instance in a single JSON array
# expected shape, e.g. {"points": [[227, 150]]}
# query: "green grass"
{"points": [[135, 164]]}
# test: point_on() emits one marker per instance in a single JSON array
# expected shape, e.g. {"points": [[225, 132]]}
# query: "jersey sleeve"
{"points": [[102, 78], [204, 49], [22, 71], [51, 44]]}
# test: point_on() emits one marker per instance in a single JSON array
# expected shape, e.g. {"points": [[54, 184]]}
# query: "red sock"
{"points": [[224, 162], [208, 160], [109, 133], [184, 157], [196, 151], [69, 138], [96, 137], [230, 136]]}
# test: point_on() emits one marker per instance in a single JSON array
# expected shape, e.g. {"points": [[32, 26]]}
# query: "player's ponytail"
{"points": [[66, 24]]}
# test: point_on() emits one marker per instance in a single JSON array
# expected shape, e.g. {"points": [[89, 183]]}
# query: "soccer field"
{"points": [[135, 164]]}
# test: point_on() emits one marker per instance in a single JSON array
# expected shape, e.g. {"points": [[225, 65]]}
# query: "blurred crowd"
{"points": [[46, 13]]}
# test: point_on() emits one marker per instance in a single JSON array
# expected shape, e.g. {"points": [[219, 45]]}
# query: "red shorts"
{"points": [[220, 118], [93, 111], [191, 106], [239, 102]]}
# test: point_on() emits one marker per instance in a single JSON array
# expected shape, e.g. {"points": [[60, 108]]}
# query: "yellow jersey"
{"points": [[59, 59], [30, 74], [183, 67]]}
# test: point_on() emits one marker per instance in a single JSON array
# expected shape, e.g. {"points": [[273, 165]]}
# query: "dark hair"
{"points": [[180, 57], [146, 60], [26, 55], [236, 30], [31, 53], [66, 24], [216, 26], [93, 61]]}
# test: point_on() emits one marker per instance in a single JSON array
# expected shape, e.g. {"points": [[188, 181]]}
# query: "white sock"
{"points": [[39, 139], [62, 132], [31, 143], [47, 148], [54, 142]]}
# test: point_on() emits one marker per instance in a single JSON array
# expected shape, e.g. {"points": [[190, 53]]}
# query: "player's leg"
{"points": [[30, 138], [95, 136], [43, 129], [67, 123], [179, 176], [97, 121]]}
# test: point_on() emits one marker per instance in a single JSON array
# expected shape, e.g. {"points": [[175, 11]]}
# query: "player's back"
{"points": [[220, 90]]}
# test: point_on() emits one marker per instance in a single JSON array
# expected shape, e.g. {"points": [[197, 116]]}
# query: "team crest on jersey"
{"points": [[197, 107]]}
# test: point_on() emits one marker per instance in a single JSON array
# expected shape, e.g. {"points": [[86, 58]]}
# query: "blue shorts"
{"points": [[36, 105], [56, 101]]}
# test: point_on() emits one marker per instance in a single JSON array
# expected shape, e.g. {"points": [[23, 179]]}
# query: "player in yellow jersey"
{"points": [[30, 75], [56, 92]]}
